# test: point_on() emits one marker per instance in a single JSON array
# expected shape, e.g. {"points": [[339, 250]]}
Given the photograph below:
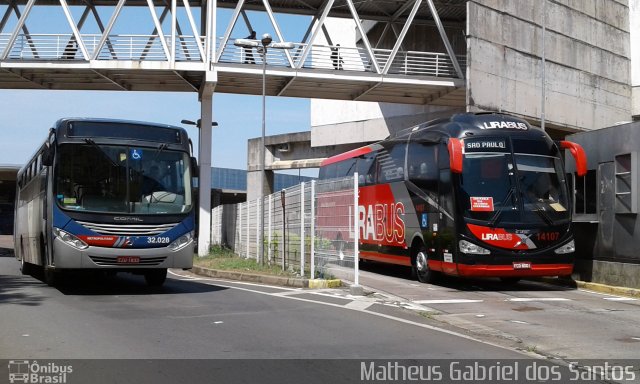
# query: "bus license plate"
{"points": [[128, 259], [522, 265]]}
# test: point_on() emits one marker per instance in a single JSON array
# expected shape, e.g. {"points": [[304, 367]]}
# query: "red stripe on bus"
{"points": [[347, 155], [385, 258]]}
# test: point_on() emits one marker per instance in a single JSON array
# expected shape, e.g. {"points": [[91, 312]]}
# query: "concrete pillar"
{"points": [[253, 183], [204, 162]]}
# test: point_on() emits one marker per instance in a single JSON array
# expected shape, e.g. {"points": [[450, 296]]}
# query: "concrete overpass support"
{"points": [[204, 162]]}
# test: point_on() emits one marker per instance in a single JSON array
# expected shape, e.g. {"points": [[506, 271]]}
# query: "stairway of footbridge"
{"points": [[185, 59]]}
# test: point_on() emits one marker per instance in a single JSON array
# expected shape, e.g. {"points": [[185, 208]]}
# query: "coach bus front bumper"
{"points": [[92, 257], [531, 265]]}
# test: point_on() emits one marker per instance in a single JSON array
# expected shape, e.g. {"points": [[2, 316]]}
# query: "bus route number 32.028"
{"points": [[158, 240]]}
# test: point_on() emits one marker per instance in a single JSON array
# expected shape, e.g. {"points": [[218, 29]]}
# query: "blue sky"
{"points": [[27, 115]]}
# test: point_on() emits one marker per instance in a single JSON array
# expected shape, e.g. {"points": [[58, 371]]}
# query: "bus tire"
{"points": [[420, 265], [50, 276], [25, 268], [155, 277]]}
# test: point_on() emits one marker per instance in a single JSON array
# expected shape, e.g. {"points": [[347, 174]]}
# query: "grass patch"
{"points": [[224, 259]]}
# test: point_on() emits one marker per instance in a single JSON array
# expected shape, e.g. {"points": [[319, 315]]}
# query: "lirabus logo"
{"points": [[25, 371]]}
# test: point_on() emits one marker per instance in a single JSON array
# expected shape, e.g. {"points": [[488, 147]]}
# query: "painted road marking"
{"points": [[444, 301], [620, 298], [518, 321], [528, 299], [359, 305]]}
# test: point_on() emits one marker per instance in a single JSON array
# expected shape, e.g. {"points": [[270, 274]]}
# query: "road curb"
{"points": [[296, 282], [597, 287]]}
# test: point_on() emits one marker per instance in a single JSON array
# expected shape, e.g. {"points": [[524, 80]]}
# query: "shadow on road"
{"points": [[98, 284], [462, 284], [16, 290]]}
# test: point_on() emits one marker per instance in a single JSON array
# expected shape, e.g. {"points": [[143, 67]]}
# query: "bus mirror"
{"points": [[578, 154], [47, 155], [194, 167], [455, 155]]}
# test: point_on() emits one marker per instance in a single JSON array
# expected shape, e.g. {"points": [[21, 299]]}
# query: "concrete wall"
{"points": [[634, 10], [587, 60], [608, 243]]}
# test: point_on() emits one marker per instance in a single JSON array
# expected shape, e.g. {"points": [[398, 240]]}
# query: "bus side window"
{"points": [[328, 171], [346, 168], [391, 163], [423, 168], [366, 169]]}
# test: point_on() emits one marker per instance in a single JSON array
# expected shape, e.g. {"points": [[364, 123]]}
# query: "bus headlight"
{"points": [[181, 242], [570, 247], [69, 239], [467, 247]]}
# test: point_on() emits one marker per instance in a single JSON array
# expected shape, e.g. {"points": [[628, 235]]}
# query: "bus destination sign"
{"points": [[485, 145]]}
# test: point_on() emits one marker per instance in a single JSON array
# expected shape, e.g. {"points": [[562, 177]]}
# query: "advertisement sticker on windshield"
{"points": [[482, 204]]}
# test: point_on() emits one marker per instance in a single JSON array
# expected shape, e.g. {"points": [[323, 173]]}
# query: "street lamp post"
{"points": [[262, 47]]}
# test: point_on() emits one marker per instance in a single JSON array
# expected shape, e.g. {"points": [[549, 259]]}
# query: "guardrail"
{"points": [[49, 47]]}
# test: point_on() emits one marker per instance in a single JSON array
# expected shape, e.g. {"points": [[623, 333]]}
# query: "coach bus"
{"points": [[472, 195], [108, 195]]}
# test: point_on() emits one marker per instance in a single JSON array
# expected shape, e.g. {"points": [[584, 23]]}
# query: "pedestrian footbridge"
{"points": [[95, 45]]}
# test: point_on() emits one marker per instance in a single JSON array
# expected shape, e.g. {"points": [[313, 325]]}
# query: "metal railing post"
{"points": [[270, 250], [356, 231], [302, 228], [312, 252]]}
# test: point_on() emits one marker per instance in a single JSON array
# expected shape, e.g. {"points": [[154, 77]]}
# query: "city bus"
{"points": [[107, 195], [471, 195]]}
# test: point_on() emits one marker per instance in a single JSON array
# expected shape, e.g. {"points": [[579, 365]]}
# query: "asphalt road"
{"points": [[555, 321], [121, 318]]}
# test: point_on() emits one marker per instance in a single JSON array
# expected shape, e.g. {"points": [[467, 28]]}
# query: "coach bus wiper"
{"points": [[93, 144], [540, 211], [497, 215]]}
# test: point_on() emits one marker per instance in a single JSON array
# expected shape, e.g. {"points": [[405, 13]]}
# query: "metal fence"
{"points": [[309, 228]]}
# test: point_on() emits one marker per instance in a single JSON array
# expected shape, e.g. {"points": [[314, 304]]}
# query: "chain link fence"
{"points": [[308, 228]]}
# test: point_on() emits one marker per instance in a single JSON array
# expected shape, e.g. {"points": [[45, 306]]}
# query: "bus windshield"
{"points": [[501, 187], [122, 179]]}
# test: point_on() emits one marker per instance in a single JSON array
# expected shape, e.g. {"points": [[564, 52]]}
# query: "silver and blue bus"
{"points": [[109, 195]]}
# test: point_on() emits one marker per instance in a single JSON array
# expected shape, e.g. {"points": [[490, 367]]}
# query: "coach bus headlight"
{"points": [[181, 242], [467, 247], [570, 247], [69, 239]]}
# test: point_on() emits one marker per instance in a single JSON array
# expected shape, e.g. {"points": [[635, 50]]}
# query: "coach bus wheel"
{"points": [[510, 280], [155, 277], [421, 266], [25, 267]]}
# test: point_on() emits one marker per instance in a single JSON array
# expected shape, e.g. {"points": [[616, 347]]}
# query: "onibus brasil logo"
{"points": [[25, 371]]}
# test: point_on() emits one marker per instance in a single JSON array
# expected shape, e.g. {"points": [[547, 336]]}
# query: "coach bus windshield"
{"points": [[122, 179], [501, 186]]}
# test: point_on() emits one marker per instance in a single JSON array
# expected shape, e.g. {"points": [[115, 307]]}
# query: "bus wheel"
{"points": [[510, 280], [421, 266], [156, 277], [25, 267], [50, 276]]}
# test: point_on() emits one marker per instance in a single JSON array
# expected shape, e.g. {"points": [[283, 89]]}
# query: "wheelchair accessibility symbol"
{"points": [[136, 154]]}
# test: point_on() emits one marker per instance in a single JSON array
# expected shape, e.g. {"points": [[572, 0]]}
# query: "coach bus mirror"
{"points": [[47, 155], [455, 155], [194, 167], [578, 155]]}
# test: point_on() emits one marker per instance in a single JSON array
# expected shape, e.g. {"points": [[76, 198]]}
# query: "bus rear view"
{"points": [[114, 196]]}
